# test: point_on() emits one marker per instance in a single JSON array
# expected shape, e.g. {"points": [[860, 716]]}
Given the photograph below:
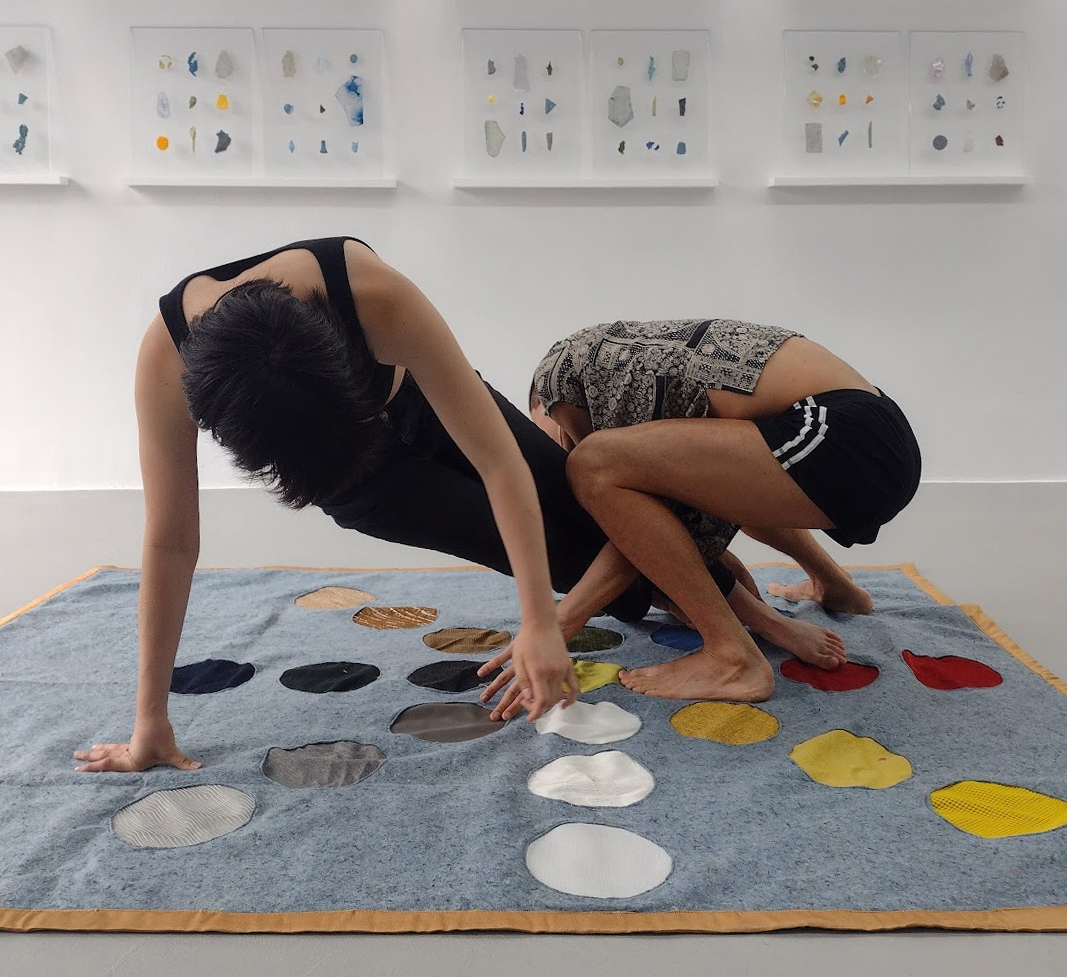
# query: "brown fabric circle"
{"points": [[333, 599], [394, 618], [466, 641], [446, 722]]}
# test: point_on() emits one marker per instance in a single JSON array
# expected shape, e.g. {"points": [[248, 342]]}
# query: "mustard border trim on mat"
{"points": [[1015, 920]]}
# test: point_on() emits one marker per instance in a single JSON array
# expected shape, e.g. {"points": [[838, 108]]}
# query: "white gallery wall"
{"points": [[952, 299]]}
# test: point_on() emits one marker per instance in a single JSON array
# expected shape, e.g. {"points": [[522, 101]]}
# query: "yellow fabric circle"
{"points": [[595, 675], [997, 811], [841, 759], [725, 722]]}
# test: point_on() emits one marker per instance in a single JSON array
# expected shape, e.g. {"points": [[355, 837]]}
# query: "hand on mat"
{"points": [[148, 747], [540, 671]]}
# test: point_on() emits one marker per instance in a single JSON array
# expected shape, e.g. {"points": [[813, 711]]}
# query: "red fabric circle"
{"points": [[848, 677], [951, 672]]}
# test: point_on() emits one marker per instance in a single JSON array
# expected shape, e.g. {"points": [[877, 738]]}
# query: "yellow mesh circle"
{"points": [[333, 598], [390, 618], [997, 811], [594, 675], [842, 759], [466, 641], [725, 722]]}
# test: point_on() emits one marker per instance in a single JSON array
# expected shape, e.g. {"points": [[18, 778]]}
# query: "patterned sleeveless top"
{"points": [[626, 373]]}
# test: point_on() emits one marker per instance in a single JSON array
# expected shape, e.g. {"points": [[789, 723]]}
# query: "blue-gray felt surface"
{"points": [[446, 826]]}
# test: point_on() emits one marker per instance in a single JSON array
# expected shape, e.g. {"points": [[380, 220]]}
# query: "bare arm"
{"points": [[167, 444], [404, 328]]}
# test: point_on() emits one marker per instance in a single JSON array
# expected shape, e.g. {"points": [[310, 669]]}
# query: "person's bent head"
{"points": [[286, 388]]}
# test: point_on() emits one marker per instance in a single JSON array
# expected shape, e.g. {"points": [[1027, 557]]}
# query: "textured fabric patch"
{"points": [[736, 723], [595, 675], [333, 599], [589, 722], [184, 816], [446, 722], [847, 678], [991, 810], [451, 676], [466, 641], [842, 759], [395, 618], [335, 764], [609, 779], [593, 639], [329, 677], [598, 861], [677, 636], [210, 675], [951, 672]]}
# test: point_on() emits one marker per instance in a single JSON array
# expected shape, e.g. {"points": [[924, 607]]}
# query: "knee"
{"points": [[591, 466]]}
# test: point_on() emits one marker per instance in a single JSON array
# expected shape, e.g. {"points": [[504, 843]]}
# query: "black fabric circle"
{"points": [[329, 677], [210, 675], [451, 676]]}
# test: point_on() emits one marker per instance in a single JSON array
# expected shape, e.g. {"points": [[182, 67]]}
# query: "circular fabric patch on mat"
{"points": [[841, 759], [847, 678], [610, 779], [184, 816], [595, 675], [598, 861], [451, 676], [329, 677], [335, 764], [951, 672], [466, 641], [991, 810], [736, 723], [677, 636], [593, 639], [333, 599], [589, 722], [210, 675], [446, 722], [395, 618]]}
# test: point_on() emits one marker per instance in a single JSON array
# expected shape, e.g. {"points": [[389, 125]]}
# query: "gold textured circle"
{"points": [[466, 641], [736, 723], [394, 618], [333, 599]]}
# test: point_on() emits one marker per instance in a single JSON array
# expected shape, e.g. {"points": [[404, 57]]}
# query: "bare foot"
{"points": [[809, 642], [703, 676], [840, 595]]}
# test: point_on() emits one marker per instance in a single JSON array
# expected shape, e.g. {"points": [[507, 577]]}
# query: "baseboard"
{"points": [[998, 544]]}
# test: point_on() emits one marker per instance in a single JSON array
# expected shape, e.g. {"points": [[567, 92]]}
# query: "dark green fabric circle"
{"points": [[593, 639], [329, 677]]}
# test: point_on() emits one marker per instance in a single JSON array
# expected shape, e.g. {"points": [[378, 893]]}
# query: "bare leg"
{"points": [[809, 642], [829, 584], [620, 475]]}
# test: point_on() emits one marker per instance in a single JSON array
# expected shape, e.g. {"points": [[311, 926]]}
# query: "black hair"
{"points": [[286, 388]]}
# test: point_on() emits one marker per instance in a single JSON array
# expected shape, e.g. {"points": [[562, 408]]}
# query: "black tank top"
{"points": [[329, 252]]}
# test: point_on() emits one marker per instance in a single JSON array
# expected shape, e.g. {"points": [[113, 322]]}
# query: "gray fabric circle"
{"points": [[446, 722], [183, 816], [336, 764]]}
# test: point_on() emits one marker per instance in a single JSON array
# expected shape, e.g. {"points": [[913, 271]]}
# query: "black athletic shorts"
{"points": [[853, 454]]}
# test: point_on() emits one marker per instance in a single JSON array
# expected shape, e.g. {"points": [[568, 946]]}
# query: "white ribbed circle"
{"points": [[589, 722], [185, 816], [609, 779], [597, 860]]}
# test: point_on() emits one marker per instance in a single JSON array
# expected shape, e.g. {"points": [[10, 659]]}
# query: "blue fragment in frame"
{"points": [[20, 144], [681, 149], [549, 105], [350, 95], [194, 65]]}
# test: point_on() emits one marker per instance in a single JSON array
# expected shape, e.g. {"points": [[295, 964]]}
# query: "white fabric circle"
{"points": [[589, 722], [609, 779], [597, 860], [184, 816]]}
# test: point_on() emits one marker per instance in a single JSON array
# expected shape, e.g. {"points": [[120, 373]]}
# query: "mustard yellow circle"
{"points": [[991, 810], [162, 143], [738, 724], [594, 675], [842, 759]]}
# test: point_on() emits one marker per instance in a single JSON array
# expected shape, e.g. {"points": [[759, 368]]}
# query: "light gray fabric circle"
{"points": [[184, 816], [336, 764], [608, 779], [598, 861]]}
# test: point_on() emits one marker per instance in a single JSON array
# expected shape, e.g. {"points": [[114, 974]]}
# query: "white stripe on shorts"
{"points": [[803, 431], [812, 445]]}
